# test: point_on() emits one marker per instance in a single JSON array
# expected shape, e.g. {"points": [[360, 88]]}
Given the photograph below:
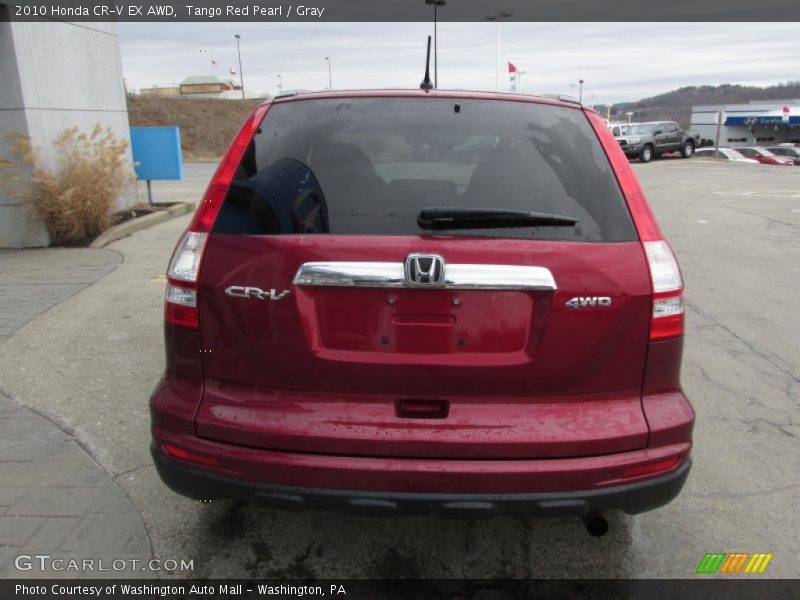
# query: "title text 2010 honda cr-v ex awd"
{"points": [[424, 302]]}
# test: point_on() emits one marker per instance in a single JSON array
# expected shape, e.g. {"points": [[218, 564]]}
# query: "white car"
{"points": [[620, 129], [724, 154]]}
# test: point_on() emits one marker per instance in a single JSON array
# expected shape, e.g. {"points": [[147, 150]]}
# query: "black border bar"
{"points": [[331, 11], [702, 587]]}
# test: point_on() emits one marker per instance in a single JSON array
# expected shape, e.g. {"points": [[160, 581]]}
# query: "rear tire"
{"points": [[646, 155], [687, 150]]}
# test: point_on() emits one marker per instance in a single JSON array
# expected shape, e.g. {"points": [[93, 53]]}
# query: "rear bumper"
{"points": [[632, 498]]}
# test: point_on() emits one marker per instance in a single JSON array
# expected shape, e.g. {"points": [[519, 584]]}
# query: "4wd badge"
{"points": [[588, 301]]}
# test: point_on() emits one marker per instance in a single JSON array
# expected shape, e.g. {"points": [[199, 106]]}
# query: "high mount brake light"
{"points": [[667, 319], [184, 268]]}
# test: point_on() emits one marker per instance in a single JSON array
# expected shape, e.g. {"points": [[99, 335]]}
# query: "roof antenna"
{"points": [[426, 83]]}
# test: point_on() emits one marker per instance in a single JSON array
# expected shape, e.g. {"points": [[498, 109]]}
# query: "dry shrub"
{"points": [[75, 200]]}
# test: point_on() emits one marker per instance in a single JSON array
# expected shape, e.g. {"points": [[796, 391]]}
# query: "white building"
{"points": [[55, 75], [755, 123]]}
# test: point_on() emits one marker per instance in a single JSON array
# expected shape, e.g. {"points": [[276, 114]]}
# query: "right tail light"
{"points": [[667, 318], [668, 312]]}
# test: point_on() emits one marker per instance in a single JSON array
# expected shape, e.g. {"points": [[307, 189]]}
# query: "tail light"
{"points": [[667, 319], [181, 297], [668, 313]]}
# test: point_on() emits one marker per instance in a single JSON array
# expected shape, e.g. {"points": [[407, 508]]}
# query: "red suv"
{"points": [[422, 301]]}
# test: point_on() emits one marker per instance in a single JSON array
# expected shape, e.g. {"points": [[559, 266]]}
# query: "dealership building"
{"points": [[760, 122]]}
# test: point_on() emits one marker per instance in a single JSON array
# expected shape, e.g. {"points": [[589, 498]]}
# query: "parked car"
{"points": [[787, 152], [646, 141], [620, 129], [763, 156], [725, 154], [349, 327]]}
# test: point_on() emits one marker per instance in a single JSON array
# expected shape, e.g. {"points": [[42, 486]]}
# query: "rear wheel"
{"points": [[646, 155], [687, 150]]}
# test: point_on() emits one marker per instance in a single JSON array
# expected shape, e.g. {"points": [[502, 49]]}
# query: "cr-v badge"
{"points": [[240, 291], [588, 301]]}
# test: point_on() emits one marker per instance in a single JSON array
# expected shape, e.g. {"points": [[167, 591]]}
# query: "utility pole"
{"points": [[716, 139], [239, 52]]}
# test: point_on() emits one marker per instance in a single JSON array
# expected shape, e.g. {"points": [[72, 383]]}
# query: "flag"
{"points": [[232, 71], [512, 68]]}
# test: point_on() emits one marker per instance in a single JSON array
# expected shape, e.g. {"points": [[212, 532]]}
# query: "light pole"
{"points": [[280, 83], [520, 73], [436, 4], [496, 16], [239, 52], [330, 78], [580, 91], [630, 114], [572, 89]]}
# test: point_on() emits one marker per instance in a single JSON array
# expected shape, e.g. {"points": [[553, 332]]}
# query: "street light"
{"points": [[330, 78], [239, 52], [520, 73], [436, 4], [497, 16], [630, 114], [280, 83], [580, 91]]}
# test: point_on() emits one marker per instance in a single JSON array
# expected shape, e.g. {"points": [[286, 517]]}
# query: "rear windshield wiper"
{"points": [[487, 218]]}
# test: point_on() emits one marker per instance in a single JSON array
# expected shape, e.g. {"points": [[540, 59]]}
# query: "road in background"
{"points": [[735, 229]]}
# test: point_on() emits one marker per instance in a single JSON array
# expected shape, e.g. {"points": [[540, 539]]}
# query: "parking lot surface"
{"points": [[736, 232]]}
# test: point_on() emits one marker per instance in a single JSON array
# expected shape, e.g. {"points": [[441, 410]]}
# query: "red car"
{"points": [[764, 156], [363, 317]]}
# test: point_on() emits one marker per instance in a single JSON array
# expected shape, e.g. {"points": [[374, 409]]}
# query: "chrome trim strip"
{"points": [[457, 276]]}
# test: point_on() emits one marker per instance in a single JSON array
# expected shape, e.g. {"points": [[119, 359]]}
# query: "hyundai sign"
{"points": [[782, 117]]}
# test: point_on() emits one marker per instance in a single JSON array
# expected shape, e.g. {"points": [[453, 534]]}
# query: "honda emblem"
{"points": [[424, 270]]}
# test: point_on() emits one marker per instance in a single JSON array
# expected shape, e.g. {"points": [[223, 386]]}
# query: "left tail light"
{"points": [[181, 298], [180, 306]]}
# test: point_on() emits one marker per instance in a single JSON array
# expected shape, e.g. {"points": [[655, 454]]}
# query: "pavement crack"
{"points": [[131, 470], [766, 357]]}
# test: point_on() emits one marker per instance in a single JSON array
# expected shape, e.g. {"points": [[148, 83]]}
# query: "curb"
{"points": [[122, 230]]}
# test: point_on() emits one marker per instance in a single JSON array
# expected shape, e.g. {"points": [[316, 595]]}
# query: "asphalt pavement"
{"points": [[736, 230]]}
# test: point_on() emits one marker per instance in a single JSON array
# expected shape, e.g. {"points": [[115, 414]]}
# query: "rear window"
{"points": [[368, 166]]}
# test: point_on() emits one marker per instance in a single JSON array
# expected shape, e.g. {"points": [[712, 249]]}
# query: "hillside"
{"points": [[677, 104], [207, 125]]}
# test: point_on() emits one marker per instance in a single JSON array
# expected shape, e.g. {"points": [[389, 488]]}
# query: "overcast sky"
{"points": [[618, 61]]}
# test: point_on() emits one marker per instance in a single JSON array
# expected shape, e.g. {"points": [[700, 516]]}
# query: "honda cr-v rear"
{"points": [[424, 301]]}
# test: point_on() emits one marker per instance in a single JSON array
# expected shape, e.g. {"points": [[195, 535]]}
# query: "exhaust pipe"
{"points": [[595, 524]]}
